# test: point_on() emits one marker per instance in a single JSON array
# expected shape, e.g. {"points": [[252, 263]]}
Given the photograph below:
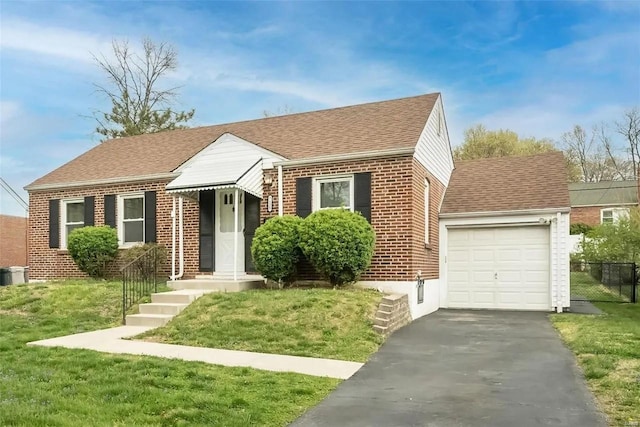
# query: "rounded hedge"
{"points": [[338, 243], [275, 248], [92, 248]]}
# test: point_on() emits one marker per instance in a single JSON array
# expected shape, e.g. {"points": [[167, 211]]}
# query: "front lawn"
{"points": [[608, 350], [63, 387], [327, 323]]}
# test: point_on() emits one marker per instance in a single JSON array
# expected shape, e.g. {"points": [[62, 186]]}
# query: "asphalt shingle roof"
{"points": [[360, 128], [507, 184], [603, 193]]}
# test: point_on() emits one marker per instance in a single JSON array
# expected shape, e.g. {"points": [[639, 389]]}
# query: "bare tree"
{"points": [[595, 154], [139, 103], [629, 129]]}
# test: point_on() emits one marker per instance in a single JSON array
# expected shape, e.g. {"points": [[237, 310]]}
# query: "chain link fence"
{"points": [[604, 282]]}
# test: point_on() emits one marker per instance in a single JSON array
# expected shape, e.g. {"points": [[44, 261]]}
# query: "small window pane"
{"points": [[75, 212], [335, 194], [607, 216], [133, 231], [133, 208], [70, 228]]}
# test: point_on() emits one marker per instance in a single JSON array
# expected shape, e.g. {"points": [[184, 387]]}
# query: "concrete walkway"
{"points": [[111, 341]]}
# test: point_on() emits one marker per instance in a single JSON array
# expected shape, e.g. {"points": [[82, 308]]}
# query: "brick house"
{"points": [[595, 203], [202, 192], [13, 241]]}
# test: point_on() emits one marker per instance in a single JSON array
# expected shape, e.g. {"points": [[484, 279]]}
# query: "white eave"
{"points": [[229, 162], [504, 213]]}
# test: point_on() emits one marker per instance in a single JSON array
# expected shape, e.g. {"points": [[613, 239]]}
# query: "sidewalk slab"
{"points": [[110, 341]]}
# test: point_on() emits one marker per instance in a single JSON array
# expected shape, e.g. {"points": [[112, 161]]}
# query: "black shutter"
{"points": [[362, 194], [110, 210], [150, 217], [303, 197], [251, 223], [89, 211], [207, 232], [54, 223]]}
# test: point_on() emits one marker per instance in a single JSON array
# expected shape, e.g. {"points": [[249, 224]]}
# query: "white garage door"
{"points": [[502, 267]]}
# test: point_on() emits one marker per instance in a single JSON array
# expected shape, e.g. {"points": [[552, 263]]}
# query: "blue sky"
{"points": [[534, 67]]}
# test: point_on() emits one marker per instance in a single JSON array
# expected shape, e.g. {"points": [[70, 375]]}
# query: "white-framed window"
{"points": [[613, 215], [131, 219], [426, 211], [72, 218], [333, 192]]}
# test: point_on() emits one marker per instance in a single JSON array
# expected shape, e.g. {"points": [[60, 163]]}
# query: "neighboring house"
{"points": [[202, 192], [13, 241], [595, 203]]}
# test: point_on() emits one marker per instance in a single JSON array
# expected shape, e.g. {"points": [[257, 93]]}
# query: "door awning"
{"points": [[229, 162]]}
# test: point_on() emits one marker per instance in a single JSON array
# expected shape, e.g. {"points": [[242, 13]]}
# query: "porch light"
{"points": [[268, 178]]}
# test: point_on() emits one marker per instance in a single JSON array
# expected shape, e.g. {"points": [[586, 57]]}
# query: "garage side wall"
{"points": [[556, 222]]}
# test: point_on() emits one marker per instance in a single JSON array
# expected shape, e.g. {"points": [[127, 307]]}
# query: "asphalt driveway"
{"points": [[465, 368]]}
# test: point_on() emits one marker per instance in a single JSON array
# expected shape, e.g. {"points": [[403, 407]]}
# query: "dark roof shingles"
{"points": [[508, 184], [360, 128]]}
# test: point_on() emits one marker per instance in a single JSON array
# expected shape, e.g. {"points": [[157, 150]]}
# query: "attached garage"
{"points": [[504, 231], [499, 267]]}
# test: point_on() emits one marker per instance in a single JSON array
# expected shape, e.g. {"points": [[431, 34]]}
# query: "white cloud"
{"points": [[62, 43]]}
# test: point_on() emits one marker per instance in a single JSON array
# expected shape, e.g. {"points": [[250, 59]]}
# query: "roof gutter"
{"points": [[613, 205], [505, 213], [335, 158], [107, 181]]}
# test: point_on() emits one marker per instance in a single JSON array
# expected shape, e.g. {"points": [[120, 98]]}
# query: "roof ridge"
{"points": [[279, 116]]}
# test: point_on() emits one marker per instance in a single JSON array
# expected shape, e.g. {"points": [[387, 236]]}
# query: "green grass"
{"points": [[63, 387], [608, 350], [327, 323], [584, 285]]}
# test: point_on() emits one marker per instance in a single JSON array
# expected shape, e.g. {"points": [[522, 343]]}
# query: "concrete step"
{"points": [[380, 329], [216, 285], [185, 296], [162, 308], [382, 314], [381, 322], [154, 320]]}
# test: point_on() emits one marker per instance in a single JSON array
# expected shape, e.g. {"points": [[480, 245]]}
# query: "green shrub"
{"points": [[338, 243], [579, 228], [92, 248], [147, 266], [275, 249]]}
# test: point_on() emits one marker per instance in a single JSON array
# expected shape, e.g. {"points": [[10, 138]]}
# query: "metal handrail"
{"points": [[139, 279]]}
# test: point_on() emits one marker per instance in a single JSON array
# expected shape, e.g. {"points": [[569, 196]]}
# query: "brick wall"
{"points": [[46, 263], [426, 256], [397, 216], [13, 241], [589, 215], [397, 213]]}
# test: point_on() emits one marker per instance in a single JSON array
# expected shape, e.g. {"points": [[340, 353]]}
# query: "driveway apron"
{"points": [[465, 368]]}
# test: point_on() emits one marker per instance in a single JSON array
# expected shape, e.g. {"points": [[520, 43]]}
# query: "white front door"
{"points": [[502, 267], [226, 237]]}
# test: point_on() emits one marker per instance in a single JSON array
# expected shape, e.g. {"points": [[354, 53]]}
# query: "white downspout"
{"points": [[173, 239], [235, 236], [559, 275], [180, 240], [280, 191]]}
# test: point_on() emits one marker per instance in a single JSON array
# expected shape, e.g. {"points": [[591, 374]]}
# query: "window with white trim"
{"points": [[613, 215], [72, 218], [333, 192], [426, 211], [131, 219]]}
